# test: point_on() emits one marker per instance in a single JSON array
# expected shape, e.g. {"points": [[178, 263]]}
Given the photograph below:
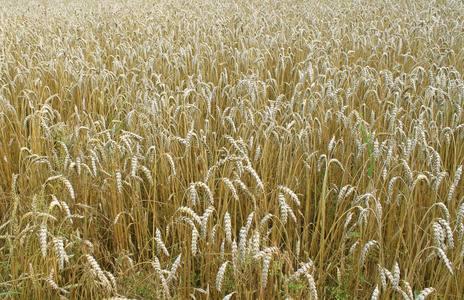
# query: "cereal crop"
{"points": [[230, 149]]}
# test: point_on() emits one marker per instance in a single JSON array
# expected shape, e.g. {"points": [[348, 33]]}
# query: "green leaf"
{"points": [[355, 234]]}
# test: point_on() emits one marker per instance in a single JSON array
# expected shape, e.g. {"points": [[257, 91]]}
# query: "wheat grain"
{"points": [[445, 259], [69, 187], [265, 269], [53, 284], [156, 265], [204, 220], [43, 239], [194, 242], [438, 235], [265, 252], [447, 232], [375, 294], [212, 234], [342, 193], [119, 181], [60, 252], [228, 296], [112, 279], [208, 151], [90, 245], [243, 236], [457, 175], [54, 203], [390, 188], [425, 293], [349, 216], [191, 213], [96, 267], [134, 165], [23, 234], [231, 187], [46, 216], [312, 286], [257, 153], [220, 276], [174, 268], [159, 243], [147, 173], [235, 255], [451, 193], [171, 162], [409, 294], [228, 227], [367, 247], [209, 194], [133, 135], [252, 171], [290, 193], [304, 269], [245, 189], [283, 208], [439, 179], [221, 249], [383, 278]]}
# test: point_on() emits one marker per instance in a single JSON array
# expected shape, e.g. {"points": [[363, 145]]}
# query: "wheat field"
{"points": [[231, 149]]}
